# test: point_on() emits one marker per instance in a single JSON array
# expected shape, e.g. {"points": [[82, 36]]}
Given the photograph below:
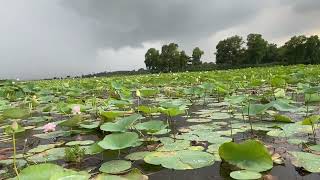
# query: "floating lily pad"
{"points": [[115, 166], [175, 146], [282, 118], [151, 126], [120, 141], [91, 125], [49, 155], [245, 175], [15, 113], [137, 155], [52, 135], [120, 125], [218, 115], [81, 143], [308, 161], [50, 171], [135, 174], [315, 147], [44, 147], [250, 155], [180, 160], [199, 120]]}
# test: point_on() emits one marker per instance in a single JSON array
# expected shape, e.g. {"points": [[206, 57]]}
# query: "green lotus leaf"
{"points": [[180, 160], [308, 161], [148, 109], [282, 105], [52, 135], [72, 122], [48, 155], [297, 141], [40, 172], [235, 99], [310, 98], [174, 146], [245, 175], [111, 115], [115, 166], [311, 120], [50, 172], [120, 125], [134, 174], [137, 155], [256, 109], [93, 149], [148, 92], [282, 118], [315, 147], [81, 143], [91, 125], [151, 126], [15, 113], [219, 115], [250, 155], [44, 147], [118, 141], [173, 111]]}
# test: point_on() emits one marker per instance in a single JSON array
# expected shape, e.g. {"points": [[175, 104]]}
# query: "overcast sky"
{"points": [[47, 38]]}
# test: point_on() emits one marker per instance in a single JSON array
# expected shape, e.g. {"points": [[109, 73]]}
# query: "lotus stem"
{"points": [[14, 155]]}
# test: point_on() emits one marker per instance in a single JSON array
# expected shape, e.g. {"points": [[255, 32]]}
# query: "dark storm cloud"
{"points": [[307, 6], [131, 22], [46, 38]]}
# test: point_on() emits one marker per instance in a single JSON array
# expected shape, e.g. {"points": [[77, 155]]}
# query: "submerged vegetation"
{"points": [[248, 121]]}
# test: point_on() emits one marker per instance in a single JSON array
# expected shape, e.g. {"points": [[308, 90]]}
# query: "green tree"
{"points": [[256, 49], [272, 54], [184, 58], [294, 50], [152, 59], [230, 50], [196, 56], [312, 54], [169, 58]]}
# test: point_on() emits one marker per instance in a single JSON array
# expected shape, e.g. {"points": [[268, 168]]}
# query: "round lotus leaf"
{"points": [[297, 141], [151, 126], [137, 155], [115, 166], [282, 118], [175, 146], [308, 161], [48, 155], [120, 125], [39, 171], [81, 143], [245, 175], [52, 172], [118, 141], [44, 147], [315, 147], [220, 115], [91, 125], [250, 155], [199, 120], [134, 174], [15, 113], [180, 160]]}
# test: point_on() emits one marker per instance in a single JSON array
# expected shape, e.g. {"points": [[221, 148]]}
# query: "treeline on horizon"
{"points": [[236, 52]]}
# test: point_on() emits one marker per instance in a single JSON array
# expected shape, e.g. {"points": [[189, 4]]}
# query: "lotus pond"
{"points": [[255, 123]]}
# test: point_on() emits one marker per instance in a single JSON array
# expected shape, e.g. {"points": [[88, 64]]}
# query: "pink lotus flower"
{"points": [[76, 110], [50, 127]]}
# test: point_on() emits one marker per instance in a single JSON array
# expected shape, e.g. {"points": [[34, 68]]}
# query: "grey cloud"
{"points": [[46, 38], [127, 22]]}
